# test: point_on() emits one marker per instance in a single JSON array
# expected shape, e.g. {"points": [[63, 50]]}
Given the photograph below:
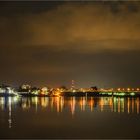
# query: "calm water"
{"points": [[59, 117]]}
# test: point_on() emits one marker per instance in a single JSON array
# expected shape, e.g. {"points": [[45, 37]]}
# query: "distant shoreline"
{"points": [[79, 94]]}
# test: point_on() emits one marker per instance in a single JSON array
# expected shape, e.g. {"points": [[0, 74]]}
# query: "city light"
{"points": [[27, 90]]}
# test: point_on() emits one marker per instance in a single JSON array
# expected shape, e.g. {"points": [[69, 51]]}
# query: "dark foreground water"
{"points": [[58, 117]]}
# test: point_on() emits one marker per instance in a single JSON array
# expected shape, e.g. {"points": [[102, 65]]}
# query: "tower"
{"points": [[72, 84]]}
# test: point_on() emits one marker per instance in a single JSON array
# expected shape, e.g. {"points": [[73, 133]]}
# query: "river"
{"points": [[69, 117]]}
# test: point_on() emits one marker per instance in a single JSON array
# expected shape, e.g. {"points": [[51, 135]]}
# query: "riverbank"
{"points": [[84, 94]]}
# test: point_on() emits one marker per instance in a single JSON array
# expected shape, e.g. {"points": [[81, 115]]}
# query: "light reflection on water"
{"points": [[111, 104], [118, 105], [58, 104], [84, 113]]}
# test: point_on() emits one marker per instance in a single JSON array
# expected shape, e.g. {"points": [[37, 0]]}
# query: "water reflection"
{"points": [[112, 104], [6, 104], [73, 104]]}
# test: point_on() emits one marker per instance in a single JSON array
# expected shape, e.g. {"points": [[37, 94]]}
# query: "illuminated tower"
{"points": [[72, 84]]}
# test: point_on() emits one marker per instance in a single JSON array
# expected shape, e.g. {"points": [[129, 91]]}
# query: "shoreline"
{"points": [[78, 94]]}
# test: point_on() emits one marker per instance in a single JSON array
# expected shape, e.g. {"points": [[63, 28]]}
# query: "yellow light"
{"points": [[128, 89], [74, 91], [44, 91], [119, 89]]}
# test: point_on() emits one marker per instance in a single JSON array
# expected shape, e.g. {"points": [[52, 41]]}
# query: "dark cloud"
{"points": [[69, 23]]}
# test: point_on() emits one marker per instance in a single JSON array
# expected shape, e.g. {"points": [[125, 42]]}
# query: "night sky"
{"points": [[51, 43]]}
